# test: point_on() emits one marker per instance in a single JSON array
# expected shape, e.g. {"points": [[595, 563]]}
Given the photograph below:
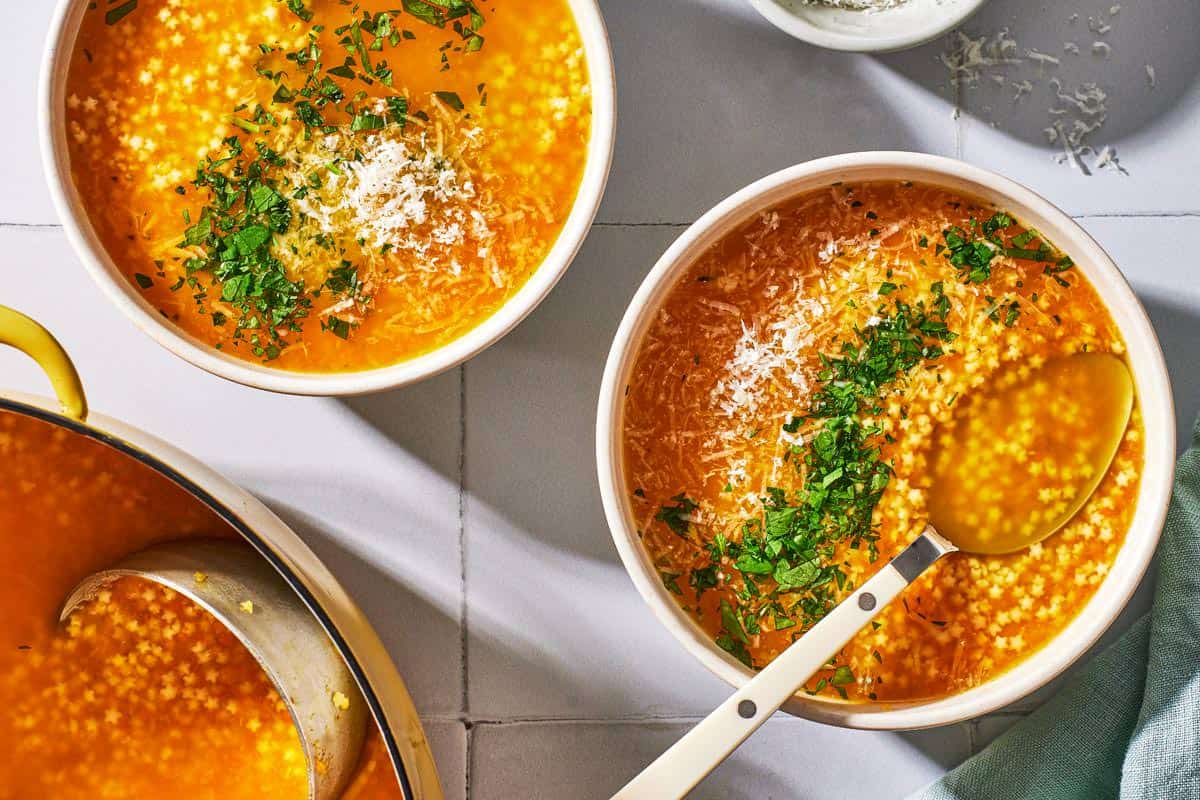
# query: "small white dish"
{"points": [[908, 24], [1153, 387], [52, 123]]}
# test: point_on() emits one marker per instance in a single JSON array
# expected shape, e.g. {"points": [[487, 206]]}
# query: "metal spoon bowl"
{"points": [[246, 595]]}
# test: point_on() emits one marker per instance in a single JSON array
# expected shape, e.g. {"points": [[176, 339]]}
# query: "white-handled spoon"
{"points": [[1096, 388]]}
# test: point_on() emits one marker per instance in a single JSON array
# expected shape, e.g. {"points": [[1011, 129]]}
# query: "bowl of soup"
{"points": [[139, 691], [771, 412], [315, 197]]}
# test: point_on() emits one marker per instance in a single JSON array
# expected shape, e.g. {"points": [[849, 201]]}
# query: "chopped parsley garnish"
{"points": [[973, 257], [842, 676], [671, 581], [451, 99], [703, 579], [298, 8], [249, 194], [973, 249], [676, 516], [115, 15], [337, 326], [783, 568], [235, 230]]}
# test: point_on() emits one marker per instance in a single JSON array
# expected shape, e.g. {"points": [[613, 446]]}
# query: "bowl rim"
{"points": [[1144, 355], [352, 634], [800, 28], [120, 292]]}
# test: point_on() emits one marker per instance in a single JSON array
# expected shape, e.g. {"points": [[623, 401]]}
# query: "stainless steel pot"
{"points": [[335, 612]]}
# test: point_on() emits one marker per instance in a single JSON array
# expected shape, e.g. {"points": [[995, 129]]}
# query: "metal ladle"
{"points": [[245, 594], [1101, 390]]}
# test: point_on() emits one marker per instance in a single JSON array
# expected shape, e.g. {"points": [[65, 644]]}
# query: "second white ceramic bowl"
{"points": [[1144, 355], [59, 45], [907, 24]]}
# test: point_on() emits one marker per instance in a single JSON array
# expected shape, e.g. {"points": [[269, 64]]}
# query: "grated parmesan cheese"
{"points": [[399, 194], [761, 359]]}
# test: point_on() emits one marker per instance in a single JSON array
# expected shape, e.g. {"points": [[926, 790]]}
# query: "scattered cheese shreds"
{"points": [[341, 701], [760, 360], [1076, 112], [401, 193], [247, 606]]}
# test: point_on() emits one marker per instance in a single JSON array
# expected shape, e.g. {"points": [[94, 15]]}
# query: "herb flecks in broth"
{"points": [[329, 186], [779, 423], [786, 558], [318, 148]]}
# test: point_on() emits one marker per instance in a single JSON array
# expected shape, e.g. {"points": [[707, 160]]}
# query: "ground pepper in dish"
{"points": [[779, 423], [328, 186]]}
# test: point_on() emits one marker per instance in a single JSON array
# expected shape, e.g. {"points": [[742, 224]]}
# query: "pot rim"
{"points": [[347, 627], [121, 293], [1144, 355]]}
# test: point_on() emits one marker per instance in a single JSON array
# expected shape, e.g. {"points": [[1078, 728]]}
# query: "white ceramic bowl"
{"points": [[59, 44], [1145, 358], [912, 23]]}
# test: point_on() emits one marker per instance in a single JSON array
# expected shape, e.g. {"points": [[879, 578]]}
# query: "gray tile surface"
{"points": [[1152, 129], [787, 758], [448, 740], [463, 513]]}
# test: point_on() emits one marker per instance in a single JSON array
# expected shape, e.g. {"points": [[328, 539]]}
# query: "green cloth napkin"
{"points": [[1128, 725]]}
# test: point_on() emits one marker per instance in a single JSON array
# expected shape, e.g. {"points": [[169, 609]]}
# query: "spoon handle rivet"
{"points": [[747, 709], [866, 601]]}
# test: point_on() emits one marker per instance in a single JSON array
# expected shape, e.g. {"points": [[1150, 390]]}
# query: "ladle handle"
{"points": [[26, 335], [677, 771]]}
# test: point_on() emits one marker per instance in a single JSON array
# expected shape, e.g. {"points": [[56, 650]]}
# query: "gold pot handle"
{"points": [[21, 332]]}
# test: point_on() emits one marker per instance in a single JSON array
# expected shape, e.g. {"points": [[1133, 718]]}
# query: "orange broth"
{"points": [[140, 694], [727, 406], [417, 208]]}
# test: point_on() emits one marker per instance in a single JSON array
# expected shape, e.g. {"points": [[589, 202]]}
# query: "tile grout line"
{"points": [[1150, 214], [959, 125], [683, 718], [1138, 215], [464, 635], [619, 224], [462, 542], [665, 719], [469, 759]]}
